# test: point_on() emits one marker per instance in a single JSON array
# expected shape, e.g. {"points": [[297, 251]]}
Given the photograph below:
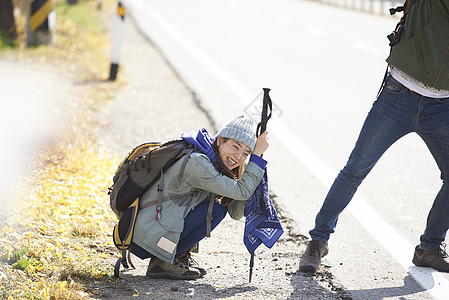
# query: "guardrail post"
{"points": [[40, 22]]}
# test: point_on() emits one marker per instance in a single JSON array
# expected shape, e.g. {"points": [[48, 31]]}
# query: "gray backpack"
{"points": [[143, 166]]}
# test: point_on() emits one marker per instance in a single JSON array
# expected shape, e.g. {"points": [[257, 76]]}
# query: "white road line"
{"points": [[198, 53], [431, 280]]}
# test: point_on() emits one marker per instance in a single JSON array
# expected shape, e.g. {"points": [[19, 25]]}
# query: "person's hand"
{"points": [[223, 201], [261, 144]]}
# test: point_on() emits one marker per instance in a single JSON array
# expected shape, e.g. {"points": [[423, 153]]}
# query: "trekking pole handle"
{"points": [[266, 106]]}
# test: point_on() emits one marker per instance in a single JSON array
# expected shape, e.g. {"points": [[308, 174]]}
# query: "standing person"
{"points": [[210, 172], [414, 98]]}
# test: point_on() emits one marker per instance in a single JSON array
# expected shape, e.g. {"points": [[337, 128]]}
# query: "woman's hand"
{"points": [[223, 201], [261, 144]]}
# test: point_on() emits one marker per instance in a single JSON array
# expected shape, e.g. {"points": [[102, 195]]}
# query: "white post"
{"points": [[118, 32]]}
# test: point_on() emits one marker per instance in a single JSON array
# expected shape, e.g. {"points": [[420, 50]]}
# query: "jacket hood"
{"points": [[202, 140]]}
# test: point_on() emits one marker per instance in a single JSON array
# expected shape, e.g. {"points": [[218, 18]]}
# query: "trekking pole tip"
{"points": [[251, 265]]}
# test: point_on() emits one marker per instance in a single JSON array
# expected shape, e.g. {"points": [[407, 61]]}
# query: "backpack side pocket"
{"points": [[124, 229], [124, 193]]}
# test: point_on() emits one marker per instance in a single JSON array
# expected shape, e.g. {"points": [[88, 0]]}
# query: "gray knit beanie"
{"points": [[240, 129]]}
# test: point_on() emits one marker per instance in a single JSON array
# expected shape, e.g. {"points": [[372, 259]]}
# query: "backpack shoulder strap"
{"points": [[160, 188], [395, 36], [183, 167]]}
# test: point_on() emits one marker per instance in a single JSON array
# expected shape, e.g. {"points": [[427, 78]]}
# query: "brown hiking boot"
{"points": [[437, 259], [162, 269], [311, 259], [186, 259]]}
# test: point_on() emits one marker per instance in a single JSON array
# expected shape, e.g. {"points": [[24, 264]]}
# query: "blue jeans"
{"points": [[195, 224], [397, 112]]}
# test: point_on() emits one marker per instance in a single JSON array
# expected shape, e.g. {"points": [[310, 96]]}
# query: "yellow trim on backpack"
{"points": [[124, 244], [138, 151]]}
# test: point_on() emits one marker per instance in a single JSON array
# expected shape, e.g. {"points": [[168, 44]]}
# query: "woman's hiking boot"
{"points": [[311, 259], [162, 269], [437, 259], [186, 259]]}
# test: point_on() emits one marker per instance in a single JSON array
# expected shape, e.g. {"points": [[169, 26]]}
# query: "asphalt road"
{"points": [[324, 66]]}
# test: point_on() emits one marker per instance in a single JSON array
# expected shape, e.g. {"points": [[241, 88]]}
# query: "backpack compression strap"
{"points": [[126, 257], [209, 215]]}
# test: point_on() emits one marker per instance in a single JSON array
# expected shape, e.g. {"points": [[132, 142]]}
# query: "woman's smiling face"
{"points": [[232, 153]]}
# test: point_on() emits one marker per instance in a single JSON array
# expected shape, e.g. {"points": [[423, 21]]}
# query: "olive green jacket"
{"points": [[423, 51], [199, 182]]}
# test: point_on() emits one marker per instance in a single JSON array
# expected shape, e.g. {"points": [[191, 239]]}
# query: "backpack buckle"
{"points": [[394, 10], [158, 212]]}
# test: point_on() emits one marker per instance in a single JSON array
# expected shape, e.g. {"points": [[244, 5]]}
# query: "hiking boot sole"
{"points": [[308, 269], [420, 264], [201, 270], [167, 275]]}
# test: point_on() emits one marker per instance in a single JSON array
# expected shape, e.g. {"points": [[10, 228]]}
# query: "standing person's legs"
{"points": [[433, 128], [391, 117]]}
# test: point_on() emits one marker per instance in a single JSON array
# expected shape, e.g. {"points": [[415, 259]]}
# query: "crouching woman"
{"points": [[198, 193]]}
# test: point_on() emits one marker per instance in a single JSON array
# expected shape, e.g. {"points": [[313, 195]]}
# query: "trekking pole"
{"points": [[261, 127], [267, 104], [251, 265]]}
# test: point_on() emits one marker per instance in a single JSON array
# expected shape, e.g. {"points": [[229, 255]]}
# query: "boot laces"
{"points": [[180, 261], [442, 250], [187, 260]]}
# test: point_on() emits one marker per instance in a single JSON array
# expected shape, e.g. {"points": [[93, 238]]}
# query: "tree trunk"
{"points": [[7, 22]]}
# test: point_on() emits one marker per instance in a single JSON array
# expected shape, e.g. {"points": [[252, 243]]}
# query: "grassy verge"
{"points": [[59, 239]]}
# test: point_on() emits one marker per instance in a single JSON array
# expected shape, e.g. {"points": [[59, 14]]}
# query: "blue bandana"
{"points": [[202, 140]]}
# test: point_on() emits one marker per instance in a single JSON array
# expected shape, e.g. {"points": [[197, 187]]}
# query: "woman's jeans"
{"points": [[397, 112], [195, 224]]}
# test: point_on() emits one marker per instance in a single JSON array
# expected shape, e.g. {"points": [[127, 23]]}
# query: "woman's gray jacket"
{"points": [[200, 180]]}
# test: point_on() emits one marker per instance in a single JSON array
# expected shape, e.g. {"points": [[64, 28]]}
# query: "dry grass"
{"points": [[59, 239]]}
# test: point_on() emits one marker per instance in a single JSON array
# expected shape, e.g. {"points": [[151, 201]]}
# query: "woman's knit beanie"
{"points": [[240, 129]]}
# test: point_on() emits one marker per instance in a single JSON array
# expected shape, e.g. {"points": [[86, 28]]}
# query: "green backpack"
{"points": [[143, 166]]}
